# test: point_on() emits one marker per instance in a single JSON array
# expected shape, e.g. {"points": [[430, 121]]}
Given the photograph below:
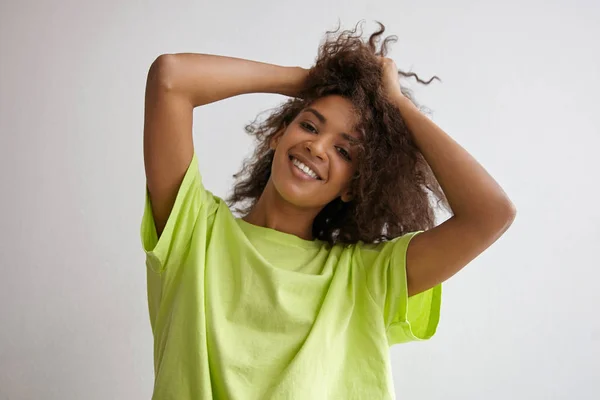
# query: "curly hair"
{"points": [[394, 187]]}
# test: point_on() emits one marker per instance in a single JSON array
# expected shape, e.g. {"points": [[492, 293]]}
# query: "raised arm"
{"points": [[482, 210], [176, 84]]}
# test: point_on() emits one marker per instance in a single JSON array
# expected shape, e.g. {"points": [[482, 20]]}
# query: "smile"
{"points": [[305, 169]]}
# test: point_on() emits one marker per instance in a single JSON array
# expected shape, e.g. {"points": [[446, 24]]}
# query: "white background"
{"points": [[520, 91]]}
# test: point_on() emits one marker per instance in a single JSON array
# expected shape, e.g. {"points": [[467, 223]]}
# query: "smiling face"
{"points": [[316, 155]]}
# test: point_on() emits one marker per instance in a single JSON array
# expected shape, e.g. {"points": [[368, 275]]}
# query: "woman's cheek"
{"points": [[342, 173]]}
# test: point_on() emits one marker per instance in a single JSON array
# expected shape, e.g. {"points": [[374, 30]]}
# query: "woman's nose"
{"points": [[316, 148]]}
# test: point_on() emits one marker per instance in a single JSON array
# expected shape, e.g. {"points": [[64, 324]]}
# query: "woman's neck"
{"points": [[272, 211]]}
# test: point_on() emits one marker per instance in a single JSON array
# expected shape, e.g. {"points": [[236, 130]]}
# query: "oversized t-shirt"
{"points": [[240, 311]]}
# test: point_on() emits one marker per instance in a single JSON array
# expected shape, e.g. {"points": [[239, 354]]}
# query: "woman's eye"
{"points": [[344, 153], [308, 127]]}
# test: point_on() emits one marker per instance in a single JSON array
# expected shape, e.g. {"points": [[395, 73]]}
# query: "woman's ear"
{"points": [[347, 197], [274, 141], [277, 136]]}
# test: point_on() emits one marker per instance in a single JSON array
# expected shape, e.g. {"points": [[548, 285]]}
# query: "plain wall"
{"points": [[520, 92]]}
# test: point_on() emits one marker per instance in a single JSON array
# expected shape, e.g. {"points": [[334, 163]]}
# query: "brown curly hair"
{"points": [[394, 187]]}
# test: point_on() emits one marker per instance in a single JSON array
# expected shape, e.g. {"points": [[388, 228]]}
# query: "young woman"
{"points": [[335, 256]]}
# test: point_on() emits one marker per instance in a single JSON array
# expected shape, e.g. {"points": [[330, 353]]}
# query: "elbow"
{"points": [[505, 216], [502, 210], [510, 212], [161, 71], [495, 219], [513, 211]]}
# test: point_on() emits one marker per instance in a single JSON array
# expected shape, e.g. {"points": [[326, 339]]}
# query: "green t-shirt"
{"points": [[240, 311]]}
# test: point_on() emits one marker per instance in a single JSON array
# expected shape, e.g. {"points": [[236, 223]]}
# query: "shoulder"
{"points": [[382, 251]]}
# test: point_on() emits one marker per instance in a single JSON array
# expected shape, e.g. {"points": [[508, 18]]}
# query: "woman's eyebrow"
{"points": [[317, 114], [351, 139]]}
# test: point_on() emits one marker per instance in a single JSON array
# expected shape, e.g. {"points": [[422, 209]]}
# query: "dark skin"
{"points": [[482, 210], [324, 140], [178, 83]]}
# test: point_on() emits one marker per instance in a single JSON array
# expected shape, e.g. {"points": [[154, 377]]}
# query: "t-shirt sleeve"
{"points": [[406, 319], [192, 205]]}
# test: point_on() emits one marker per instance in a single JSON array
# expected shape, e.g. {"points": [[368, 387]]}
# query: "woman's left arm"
{"points": [[482, 210]]}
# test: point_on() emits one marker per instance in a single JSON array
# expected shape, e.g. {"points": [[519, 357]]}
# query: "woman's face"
{"points": [[316, 155]]}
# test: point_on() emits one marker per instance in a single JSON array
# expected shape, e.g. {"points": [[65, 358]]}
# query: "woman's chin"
{"points": [[300, 197]]}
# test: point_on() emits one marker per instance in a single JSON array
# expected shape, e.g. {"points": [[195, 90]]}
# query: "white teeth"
{"points": [[305, 168]]}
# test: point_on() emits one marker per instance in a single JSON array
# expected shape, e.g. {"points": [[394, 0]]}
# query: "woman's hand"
{"points": [[295, 82], [390, 81]]}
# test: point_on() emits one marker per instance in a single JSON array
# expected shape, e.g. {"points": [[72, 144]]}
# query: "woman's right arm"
{"points": [[176, 84]]}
